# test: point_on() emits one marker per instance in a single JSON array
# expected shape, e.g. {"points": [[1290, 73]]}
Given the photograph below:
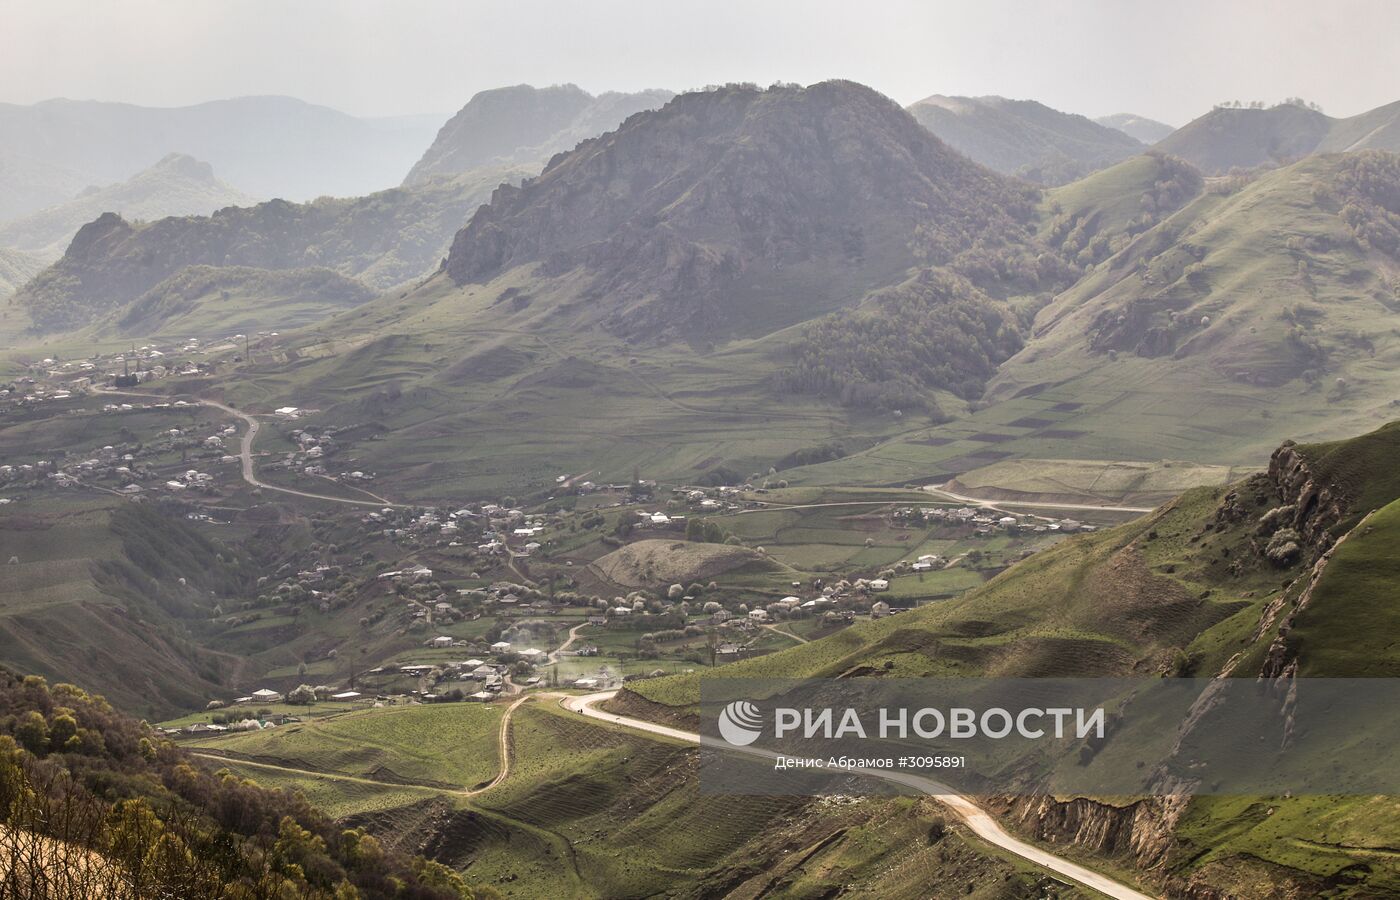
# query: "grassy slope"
{"points": [[212, 302], [1231, 391], [478, 392], [1126, 600], [450, 744], [94, 599]]}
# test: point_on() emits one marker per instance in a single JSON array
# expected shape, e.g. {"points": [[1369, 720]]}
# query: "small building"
{"points": [[758, 615], [879, 584], [879, 609], [265, 695], [442, 640], [346, 696]]}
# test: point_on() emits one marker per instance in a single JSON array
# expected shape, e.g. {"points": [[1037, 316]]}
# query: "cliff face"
{"points": [[1315, 505]]}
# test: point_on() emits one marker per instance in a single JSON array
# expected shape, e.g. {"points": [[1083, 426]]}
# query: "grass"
{"points": [[442, 744]]}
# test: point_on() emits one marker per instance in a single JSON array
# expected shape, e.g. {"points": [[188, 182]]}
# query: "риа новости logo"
{"points": [[740, 723]]}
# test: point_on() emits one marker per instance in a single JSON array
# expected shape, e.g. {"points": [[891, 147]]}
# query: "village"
{"points": [[471, 601]]}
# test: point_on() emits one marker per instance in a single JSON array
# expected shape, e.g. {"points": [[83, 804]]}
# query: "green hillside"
{"points": [[1228, 138], [216, 301], [1252, 314], [1198, 588], [129, 586]]}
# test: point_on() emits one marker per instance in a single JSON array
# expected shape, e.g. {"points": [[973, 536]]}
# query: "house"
{"points": [[346, 696], [879, 584], [442, 640], [500, 647], [758, 615], [266, 696], [879, 609]]}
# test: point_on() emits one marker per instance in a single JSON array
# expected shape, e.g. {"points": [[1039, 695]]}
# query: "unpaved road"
{"points": [[938, 491], [503, 745], [245, 450], [978, 820]]}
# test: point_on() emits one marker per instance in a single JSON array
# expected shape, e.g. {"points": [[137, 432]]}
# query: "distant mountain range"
{"points": [[177, 185], [1023, 137], [1227, 138], [525, 125], [1149, 131], [381, 239], [267, 146]]}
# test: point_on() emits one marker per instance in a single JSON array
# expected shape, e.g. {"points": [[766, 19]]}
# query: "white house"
{"points": [[266, 696], [442, 640], [879, 584], [500, 646], [758, 615]]}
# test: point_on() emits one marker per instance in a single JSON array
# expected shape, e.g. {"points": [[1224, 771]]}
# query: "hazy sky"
{"points": [[1167, 60]]}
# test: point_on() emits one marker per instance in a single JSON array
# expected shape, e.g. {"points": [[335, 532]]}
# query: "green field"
{"points": [[449, 744]]}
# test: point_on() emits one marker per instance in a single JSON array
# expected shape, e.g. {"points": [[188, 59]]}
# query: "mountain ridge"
{"points": [[176, 185], [522, 125], [1024, 137]]}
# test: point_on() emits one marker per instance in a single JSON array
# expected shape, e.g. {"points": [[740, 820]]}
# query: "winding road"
{"points": [[977, 819], [245, 452]]}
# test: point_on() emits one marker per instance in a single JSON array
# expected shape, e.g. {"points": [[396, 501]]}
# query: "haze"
{"points": [[378, 58]]}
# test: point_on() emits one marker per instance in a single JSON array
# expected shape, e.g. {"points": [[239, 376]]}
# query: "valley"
{"points": [[383, 544]]}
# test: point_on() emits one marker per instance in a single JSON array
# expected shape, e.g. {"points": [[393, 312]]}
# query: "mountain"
{"points": [[525, 125], [28, 184], [1227, 138], [707, 213], [16, 268], [177, 185], [672, 281], [268, 146], [382, 239], [1023, 137], [1141, 128], [1214, 320]]}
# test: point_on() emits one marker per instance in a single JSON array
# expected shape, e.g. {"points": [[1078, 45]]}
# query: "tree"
{"points": [[32, 732], [302, 694]]}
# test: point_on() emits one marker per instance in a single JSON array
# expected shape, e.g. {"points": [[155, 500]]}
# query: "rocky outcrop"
{"points": [[1311, 505], [1140, 831]]}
